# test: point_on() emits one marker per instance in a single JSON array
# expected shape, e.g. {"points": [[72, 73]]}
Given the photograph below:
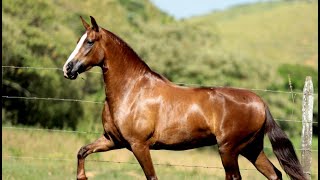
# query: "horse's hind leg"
{"points": [[104, 143], [263, 165], [254, 153]]}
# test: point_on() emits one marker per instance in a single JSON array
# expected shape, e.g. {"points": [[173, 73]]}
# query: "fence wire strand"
{"points": [[118, 162], [86, 132], [49, 130], [179, 83], [123, 162], [99, 102], [52, 99]]}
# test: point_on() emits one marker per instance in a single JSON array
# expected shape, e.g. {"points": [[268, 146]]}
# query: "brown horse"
{"points": [[143, 111]]}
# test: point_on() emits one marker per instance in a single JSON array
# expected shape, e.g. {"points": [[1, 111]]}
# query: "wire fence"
{"points": [[98, 102], [108, 161], [124, 162], [84, 132], [52, 99], [179, 83], [118, 162]]}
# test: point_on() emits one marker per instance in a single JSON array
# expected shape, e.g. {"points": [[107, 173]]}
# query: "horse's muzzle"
{"points": [[72, 69]]}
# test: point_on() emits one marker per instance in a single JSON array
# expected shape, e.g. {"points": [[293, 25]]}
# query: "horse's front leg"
{"points": [[142, 153], [104, 143]]}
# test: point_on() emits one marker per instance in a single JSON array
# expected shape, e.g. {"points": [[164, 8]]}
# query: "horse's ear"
{"points": [[85, 24], [95, 26]]}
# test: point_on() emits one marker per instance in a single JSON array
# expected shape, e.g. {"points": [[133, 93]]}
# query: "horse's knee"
{"points": [[82, 152], [225, 149]]}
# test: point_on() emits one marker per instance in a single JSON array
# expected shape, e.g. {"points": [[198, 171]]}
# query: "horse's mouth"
{"points": [[71, 76]]}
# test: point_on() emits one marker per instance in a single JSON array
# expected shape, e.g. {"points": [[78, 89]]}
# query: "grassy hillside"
{"points": [[270, 32], [252, 46]]}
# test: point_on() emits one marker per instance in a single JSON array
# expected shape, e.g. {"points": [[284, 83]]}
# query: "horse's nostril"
{"points": [[69, 66]]}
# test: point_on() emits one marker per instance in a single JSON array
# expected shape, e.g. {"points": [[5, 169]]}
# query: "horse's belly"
{"points": [[182, 140], [185, 126]]}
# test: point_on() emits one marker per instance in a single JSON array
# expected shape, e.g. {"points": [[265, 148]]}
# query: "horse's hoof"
{"points": [[82, 178]]}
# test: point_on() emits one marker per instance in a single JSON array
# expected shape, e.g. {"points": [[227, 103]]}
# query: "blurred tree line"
{"points": [[38, 33]]}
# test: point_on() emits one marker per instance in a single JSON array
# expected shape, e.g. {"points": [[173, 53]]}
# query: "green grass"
{"points": [[59, 152]]}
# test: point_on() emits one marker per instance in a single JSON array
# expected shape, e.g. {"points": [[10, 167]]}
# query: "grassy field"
{"points": [[54, 157]]}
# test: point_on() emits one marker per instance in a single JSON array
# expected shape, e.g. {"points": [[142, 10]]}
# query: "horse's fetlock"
{"points": [[278, 176], [153, 178]]}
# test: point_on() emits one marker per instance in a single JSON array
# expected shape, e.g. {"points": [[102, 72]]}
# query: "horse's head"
{"points": [[88, 52]]}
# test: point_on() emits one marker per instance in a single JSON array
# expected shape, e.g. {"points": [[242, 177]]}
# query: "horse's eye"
{"points": [[90, 42]]}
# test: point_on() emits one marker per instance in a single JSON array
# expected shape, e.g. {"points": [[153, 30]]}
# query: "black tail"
{"points": [[283, 148]]}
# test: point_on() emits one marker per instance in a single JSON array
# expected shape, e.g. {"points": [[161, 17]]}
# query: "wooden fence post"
{"points": [[307, 117]]}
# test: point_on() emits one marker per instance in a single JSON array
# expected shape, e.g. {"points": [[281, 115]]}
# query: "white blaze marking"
{"points": [[75, 51]]}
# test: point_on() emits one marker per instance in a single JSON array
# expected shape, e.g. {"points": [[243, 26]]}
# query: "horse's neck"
{"points": [[121, 70]]}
